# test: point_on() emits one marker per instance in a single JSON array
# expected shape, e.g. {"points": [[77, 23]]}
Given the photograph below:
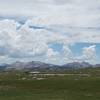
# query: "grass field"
{"points": [[68, 87]]}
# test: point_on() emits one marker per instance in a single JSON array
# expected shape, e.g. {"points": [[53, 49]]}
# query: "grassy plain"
{"points": [[20, 86]]}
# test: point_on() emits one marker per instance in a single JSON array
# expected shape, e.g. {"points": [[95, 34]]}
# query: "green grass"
{"points": [[52, 88]]}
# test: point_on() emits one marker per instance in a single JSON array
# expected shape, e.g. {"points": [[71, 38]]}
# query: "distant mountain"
{"points": [[3, 67], [40, 66], [76, 65], [97, 65], [33, 65]]}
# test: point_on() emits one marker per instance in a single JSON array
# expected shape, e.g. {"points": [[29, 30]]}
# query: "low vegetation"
{"points": [[72, 85]]}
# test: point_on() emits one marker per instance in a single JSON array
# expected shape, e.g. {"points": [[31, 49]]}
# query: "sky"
{"points": [[51, 31]]}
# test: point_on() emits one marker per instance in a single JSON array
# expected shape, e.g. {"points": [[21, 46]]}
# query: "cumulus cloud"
{"points": [[51, 53], [88, 54], [65, 22], [52, 56], [27, 42]]}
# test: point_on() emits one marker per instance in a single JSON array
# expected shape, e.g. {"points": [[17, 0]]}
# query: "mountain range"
{"points": [[40, 66]]}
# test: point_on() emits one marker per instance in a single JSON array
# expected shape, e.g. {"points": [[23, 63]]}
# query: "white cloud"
{"points": [[69, 12], [88, 54], [61, 21], [51, 53], [27, 42], [86, 37], [52, 56]]}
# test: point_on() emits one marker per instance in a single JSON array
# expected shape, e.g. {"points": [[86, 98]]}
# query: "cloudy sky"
{"points": [[52, 31]]}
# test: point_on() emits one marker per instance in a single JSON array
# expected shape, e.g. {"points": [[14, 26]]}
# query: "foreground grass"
{"points": [[52, 88]]}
